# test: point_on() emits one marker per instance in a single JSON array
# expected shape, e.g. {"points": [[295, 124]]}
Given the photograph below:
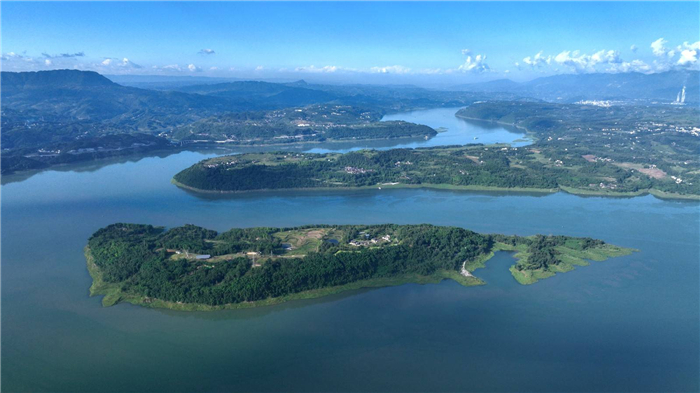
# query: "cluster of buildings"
{"points": [[604, 104], [655, 127], [677, 179], [609, 186], [357, 171], [369, 242], [227, 163]]}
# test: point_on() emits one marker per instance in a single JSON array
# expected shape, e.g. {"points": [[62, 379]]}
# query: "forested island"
{"points": [[315, 123], [192, 268], [620, 151]]}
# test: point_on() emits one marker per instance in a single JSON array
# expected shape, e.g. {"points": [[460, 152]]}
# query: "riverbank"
{"points": [[374, 187], [515, 190], [529, 134], [107, 158]]}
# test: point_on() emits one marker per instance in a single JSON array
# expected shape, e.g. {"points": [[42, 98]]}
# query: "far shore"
{"points": [[515, 190]]}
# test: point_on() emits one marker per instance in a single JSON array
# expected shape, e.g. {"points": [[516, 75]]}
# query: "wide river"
{"points": [[629, 324]]}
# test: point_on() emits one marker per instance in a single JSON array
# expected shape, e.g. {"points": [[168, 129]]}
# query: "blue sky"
{"points": [[349, 41]]}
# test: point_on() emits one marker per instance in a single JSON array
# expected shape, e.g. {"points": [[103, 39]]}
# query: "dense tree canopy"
{"points": [[254, 264]]}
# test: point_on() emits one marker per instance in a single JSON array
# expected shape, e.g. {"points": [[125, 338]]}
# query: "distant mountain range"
{"points": [[662, 87], [71, 95]]}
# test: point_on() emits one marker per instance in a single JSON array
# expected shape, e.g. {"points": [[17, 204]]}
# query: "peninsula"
{"points": [[580, 149], [192, 268]]}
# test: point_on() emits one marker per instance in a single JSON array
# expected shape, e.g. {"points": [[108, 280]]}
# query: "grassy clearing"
{"points": [[303, 241], [570, 257], [112, 292]]}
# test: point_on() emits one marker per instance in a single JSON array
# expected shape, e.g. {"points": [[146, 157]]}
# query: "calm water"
{"points": [[627, 324], [461, 131]]}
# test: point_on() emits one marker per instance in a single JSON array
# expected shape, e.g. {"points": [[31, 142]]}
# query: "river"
{"points": [[626, 324]]}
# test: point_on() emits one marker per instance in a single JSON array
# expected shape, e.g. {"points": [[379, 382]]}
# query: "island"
{"points": [[193, 268], [580, 149], [315, 123]]}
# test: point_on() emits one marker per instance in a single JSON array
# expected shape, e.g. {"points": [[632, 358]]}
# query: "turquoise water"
{"points": [[461, 131], [628, 324]]}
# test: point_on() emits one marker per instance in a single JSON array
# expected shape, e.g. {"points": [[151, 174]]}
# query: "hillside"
{"points": [[649, 149], [663, 87]]}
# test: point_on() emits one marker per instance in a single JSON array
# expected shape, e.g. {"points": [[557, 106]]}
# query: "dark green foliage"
{"points": [[119, 250], [131, 254], [133, 257]]}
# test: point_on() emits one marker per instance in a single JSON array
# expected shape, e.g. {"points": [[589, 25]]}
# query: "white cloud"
{"points": [[396, 69], [606, 57], [688, 57], [315, 69], [174, 67], [571, 59], [633, 66], [65, 55], [193, 68], [47, 62], [475, 64], [15, 56], [694, 46], [124, 63], [537, 60], [432, 71], [259, 68], [658, 47], [213, 68], [634, 48], [581, 62], [129, 64], [207, 52]]}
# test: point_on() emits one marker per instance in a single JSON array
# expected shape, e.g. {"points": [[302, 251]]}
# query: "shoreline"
{"points": [[527, 132], [568, 190], [196, 146]]}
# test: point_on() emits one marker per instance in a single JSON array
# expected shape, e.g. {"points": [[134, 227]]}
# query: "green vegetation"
{"points": [[312, 123], [541, 257], [649, 150], [609, 150], [191, 268]]}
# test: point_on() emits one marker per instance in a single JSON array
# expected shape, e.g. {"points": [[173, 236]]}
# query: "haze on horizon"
{"points": [[383, 43]]}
